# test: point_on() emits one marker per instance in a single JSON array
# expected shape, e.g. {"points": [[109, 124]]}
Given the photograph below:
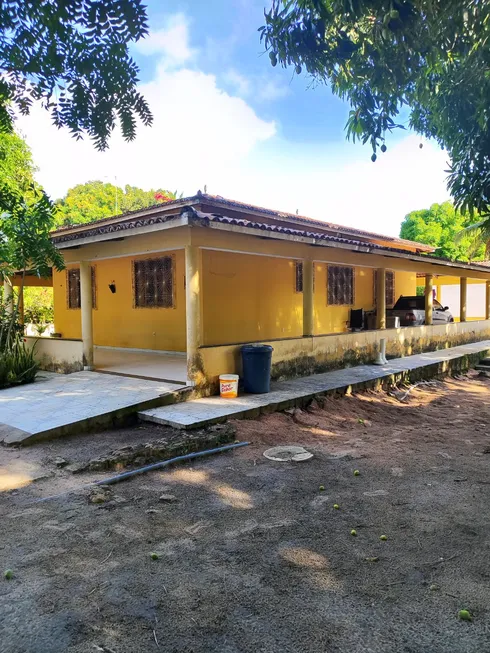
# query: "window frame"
{"points": [[145, 261], [298, 277], [75, 272], [335, 297]]}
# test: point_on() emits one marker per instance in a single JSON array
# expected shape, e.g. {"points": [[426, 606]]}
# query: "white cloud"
{"points": [[241, 84], [269, 90], [261, 87], [340, 184], [171, 42], [199, 134], [205, 135]]}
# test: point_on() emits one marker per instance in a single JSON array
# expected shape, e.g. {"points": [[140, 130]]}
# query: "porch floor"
{"points": [[152, 365], [201, 412], [61, 404]]}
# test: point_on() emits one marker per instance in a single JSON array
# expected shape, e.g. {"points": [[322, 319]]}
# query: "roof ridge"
{"points": [[199, 196], [302, 218]]}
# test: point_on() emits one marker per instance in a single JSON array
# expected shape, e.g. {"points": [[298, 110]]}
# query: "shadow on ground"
{"points": [[251, 554]]}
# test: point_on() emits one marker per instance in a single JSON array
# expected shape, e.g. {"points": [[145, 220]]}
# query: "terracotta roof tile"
{"points": [[222, 201]]}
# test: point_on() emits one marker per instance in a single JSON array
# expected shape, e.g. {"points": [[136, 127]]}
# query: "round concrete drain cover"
{"points": [[287, 453]]}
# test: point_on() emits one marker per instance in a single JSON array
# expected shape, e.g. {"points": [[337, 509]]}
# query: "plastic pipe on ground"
{"points": [[147, 468]]}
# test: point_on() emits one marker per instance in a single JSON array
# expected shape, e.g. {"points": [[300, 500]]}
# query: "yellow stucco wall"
{"points": [[299, 356], [245, 298], [116, 322], [249, 298]]}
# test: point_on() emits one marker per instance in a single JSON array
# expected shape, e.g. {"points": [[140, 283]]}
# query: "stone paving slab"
{"points": [[201, 412], [58, 404]]}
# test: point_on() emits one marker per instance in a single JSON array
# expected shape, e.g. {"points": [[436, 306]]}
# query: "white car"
{"points": [[411, 311]]}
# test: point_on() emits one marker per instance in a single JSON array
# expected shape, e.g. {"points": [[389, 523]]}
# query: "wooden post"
{"points": [[463, 298], [308, 298], [193, 283], [86, 311], [429, 298], [381, 298]]}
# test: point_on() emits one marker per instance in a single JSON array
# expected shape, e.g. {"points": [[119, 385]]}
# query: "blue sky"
{"points": [[226, 119], [225, 33]]}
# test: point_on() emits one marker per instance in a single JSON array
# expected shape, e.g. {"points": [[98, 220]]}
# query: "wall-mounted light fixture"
{"points": [[112, 287]]}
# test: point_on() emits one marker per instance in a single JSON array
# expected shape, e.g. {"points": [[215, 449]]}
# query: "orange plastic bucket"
{"points": [[228, 386]]}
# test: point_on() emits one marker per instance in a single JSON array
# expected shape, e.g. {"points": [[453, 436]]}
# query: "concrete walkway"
{"points": [[200, 412], [60, 404]]}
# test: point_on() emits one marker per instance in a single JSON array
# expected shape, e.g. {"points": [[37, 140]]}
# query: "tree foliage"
{"points": [[25, 226], [432, 56], [442, 226], [26, 213], [16, 165], [95, 200], [73, 56], [38, 307]]}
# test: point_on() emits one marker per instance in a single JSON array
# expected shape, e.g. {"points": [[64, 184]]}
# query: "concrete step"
{"points": [[62, 404], [198, 413]]}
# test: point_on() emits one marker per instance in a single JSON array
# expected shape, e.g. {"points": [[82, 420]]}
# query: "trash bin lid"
{"points": [[256, 349]]}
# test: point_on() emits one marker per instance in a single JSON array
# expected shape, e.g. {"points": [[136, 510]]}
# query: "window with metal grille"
{"points": [[298, 276], [73, 288], [154, 283], [389, 290], [340, 286]]}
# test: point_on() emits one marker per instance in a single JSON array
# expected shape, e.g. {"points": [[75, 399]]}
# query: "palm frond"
{"points": [[475, 235]]}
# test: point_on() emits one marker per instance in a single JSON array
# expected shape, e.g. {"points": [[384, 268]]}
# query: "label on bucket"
{"points": [[228, 388]]}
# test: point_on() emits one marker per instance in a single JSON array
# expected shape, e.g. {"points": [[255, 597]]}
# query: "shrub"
{"points": [[17, 363]]}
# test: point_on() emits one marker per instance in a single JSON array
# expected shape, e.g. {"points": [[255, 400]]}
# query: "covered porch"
{"points": [[194, 286], [143, 364]]}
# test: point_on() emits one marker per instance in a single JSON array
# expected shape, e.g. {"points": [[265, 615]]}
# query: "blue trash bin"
{"points": [[256, 361]]}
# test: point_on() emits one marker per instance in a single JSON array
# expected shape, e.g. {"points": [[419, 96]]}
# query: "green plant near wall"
{"points": [[25, 245], [17, 363]]}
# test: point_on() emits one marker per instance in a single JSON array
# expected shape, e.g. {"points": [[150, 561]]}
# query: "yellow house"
{"points": [[182, 285]]}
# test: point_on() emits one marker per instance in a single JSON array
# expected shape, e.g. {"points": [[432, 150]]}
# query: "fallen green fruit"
{"points": [[465, 615], [8, 574], [336, 506], [154, 556], [356, 472], [353, 532], [321, 488], [383, 537]]}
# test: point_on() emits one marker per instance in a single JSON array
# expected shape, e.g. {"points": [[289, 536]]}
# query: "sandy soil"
{"points": [[252, 556]]}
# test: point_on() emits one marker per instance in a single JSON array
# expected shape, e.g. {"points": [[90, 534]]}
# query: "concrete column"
{"points": [[86, 311], [308, 298], [381, 298], [429, 298], [462, 298], [8, 297], [487, 300], [193, 289]]}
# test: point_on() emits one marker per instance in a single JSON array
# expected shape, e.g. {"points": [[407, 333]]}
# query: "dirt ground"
{"points": [[251, 554]]}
